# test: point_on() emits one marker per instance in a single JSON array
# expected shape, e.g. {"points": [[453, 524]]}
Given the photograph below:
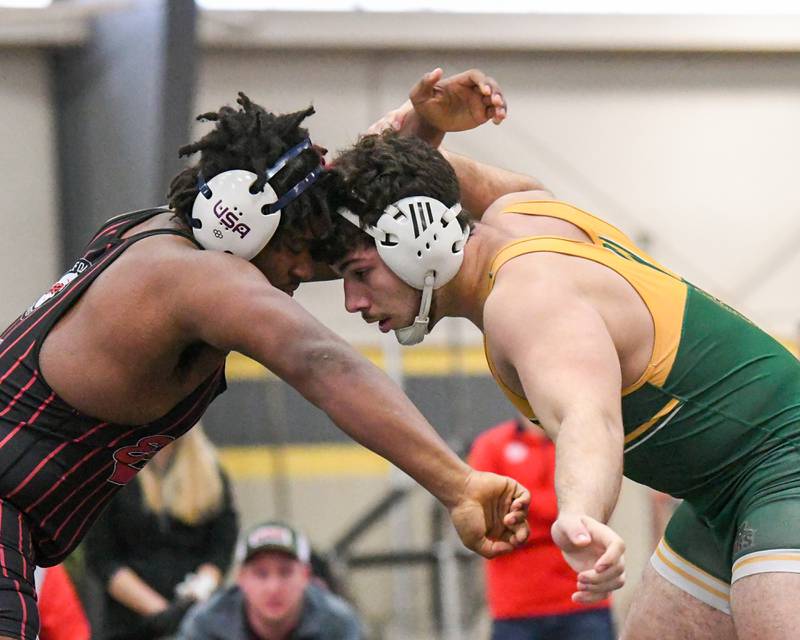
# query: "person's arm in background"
{"points": [[458, 103], [106, 559], [221, 533]]}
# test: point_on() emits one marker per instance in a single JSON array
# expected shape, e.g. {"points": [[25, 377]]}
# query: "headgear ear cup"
{"points": [[227, 216], [232, 219], [422, 242]]}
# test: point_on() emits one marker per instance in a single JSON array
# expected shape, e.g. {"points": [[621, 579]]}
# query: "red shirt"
{"points": [[61, 613], [534, 580]]}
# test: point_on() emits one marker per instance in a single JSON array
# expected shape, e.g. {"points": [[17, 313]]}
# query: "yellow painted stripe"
{"points": [[688, 576], [707, 575], [417, 361], [793, 557], [638, 431], [299, 461], [420, 361]]}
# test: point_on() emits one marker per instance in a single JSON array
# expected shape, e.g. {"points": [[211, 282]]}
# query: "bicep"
{"points": [[564, 357], [241, 311]]}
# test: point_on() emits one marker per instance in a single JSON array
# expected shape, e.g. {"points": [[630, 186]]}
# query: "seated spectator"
{"points": [[165, 541], [274, 597], [529, 590]]}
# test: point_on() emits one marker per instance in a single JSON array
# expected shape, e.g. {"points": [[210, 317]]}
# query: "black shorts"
{"points": [[19, 614]]}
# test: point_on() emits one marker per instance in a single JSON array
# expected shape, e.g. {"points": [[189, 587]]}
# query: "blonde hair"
{"points": [[190, 489]]}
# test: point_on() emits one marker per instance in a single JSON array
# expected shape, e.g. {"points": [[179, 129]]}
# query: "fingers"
{"points": [[522, 499], [608, 538], [593, 591], [585, 597], [394, 119], [576, 531], [424, 89], [493, 99], [492, 548]]}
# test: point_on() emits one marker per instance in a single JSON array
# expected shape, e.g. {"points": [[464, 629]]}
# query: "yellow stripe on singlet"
{"points": [[693, 579], [773, 557], [706, 575], [662, 292], [643, 428]]}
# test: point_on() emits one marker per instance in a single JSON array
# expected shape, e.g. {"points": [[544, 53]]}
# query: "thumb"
{"points": [[423, 90], [576, 531]]}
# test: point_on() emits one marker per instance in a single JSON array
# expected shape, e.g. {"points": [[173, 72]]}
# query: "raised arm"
{"points": [[482, 184], [464, 101], [565, 361], [242, 312]]}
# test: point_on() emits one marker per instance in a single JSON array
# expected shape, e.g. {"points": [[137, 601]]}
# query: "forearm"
{"points": [[127, 588], [588, 467], [481, 184], [371, 409]]}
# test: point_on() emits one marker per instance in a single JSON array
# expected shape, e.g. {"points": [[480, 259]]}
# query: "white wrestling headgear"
{"points": [[227, 216], [421, 241]]}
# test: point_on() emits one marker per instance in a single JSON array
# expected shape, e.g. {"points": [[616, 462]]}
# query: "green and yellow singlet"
{"points": [[718, 397]]}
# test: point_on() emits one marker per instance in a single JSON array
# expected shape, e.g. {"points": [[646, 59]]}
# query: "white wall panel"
{"points": [[29, 256], [696, 154]]}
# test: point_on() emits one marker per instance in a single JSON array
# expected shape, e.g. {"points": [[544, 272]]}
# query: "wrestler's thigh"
{"points": [[765, 606], [662, 611]]}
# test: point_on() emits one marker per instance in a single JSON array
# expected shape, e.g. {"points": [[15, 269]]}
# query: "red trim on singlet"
{"points": [[80, 462], [20, 393], [17, 362], [75, 490], [36, 469], [21, 550], [77, 508], [112, 229], [83, 525], [64, 476], [2, 547], [24, 610], [32, 419], [212, 387], [63, 299]]}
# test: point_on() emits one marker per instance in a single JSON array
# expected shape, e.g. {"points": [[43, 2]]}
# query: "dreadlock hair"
{"points": [[375, 172], [251, 138]]}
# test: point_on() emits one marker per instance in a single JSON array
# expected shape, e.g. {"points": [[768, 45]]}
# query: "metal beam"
{"points": [[123, 105]]}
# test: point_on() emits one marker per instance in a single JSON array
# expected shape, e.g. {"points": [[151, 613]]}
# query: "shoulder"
{"points": [[334, 611], [506, 203], [221, 611]]}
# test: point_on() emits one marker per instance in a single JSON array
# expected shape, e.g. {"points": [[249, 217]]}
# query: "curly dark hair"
{"points": [[252, 138], [375, 172]]}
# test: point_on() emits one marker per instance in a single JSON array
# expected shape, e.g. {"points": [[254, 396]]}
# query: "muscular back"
{"points": [[120, 353]]}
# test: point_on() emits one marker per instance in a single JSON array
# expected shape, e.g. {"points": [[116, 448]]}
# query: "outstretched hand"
{"points": [[491, 517], [436, 106], [594, 551]]}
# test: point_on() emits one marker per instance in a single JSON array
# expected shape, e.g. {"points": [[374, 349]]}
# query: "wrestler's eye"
{"points": [[360, 274]]}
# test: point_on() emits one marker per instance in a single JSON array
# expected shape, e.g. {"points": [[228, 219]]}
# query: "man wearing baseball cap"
{"points": [[273, 597]]}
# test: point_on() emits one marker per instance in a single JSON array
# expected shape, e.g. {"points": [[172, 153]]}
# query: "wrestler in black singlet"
{"points": [[59, 467]]}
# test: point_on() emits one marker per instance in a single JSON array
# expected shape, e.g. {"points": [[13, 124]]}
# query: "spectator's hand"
{"points": [[491, 517], [594, 551], [196, 586], [166, 622]]}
